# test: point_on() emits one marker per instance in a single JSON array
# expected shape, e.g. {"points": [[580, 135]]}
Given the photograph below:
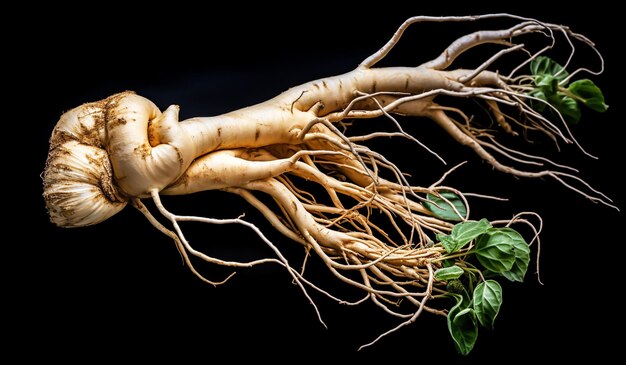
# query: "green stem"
{"points": [[441, 258], [475, 269]]}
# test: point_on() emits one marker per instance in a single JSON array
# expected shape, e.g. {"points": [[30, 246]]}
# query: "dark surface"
{"points": [[120, 288]]}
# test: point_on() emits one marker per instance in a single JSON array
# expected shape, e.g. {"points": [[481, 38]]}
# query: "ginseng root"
{"points": [[372, 227]]}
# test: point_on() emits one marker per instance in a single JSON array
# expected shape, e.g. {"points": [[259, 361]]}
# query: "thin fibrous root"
{"points": [[174, 219]]}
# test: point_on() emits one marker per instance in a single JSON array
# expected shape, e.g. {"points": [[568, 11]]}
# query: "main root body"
{"points": [[123, 149]]}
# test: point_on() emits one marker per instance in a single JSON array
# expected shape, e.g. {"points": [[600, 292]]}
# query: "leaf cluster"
{"points": [[550, 86], [497, 252]]}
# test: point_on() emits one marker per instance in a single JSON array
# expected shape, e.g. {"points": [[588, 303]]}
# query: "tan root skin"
{"points": [[122, 148]]}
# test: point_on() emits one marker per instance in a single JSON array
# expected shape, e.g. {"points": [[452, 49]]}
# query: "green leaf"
{"points": [[487, 301], [495, 251], [447, 242], [544, 69], [522, 255], [442, 209], [463, 326], [448, 273], [547, 83], [464, 232], [464, 330], [589, 94], [567, 106]]}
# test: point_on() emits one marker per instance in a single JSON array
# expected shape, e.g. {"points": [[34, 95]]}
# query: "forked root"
{"points": [[183, 244]]}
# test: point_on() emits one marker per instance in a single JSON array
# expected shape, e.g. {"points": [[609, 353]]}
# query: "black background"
{"points": [[119, 289]]}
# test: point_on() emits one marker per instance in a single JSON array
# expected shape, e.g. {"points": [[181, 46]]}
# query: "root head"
{"points": [[78, 186], [104, 152], [78, 178]]}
